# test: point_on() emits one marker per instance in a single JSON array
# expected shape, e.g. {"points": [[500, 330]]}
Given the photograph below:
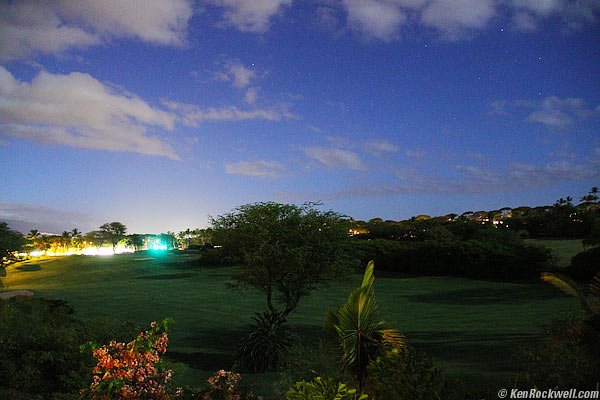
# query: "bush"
{"points": [[210, 256], [406, 374], [40, 346], [501, 257], [585, 265], [323, 389], [556, 366], [304, 362], [268, 339], [133, 370], [223, 386]]}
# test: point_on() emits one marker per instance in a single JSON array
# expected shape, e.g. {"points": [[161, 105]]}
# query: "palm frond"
{"points": [[586, 333], [361, 333], [368, 277], [568, 286]]}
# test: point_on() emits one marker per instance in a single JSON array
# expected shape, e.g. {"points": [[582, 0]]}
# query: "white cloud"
{"points": [[335, 158], [456, 19], [525, 22], [453, 17], [572, 14], [417, 154], [379, 147], [24, 217], [78, 110], [475, 180], [28, 27], [241, 75], [251, 15], [327, 18], [261, 168], [555, 112], [251, 95], [541, 7], [191, 114], [377, 18], [319, 130]]}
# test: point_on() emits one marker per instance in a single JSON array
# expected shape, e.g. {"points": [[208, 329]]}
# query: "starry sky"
{"points": [[159, 113]]}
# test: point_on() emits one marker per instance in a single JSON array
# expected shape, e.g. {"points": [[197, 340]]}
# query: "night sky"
{"points": [[158, 113]]}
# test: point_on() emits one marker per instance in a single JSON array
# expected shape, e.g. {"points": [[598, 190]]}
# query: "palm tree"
{"points": [[360, 333], [594, 194], [587, 331], [33, 236], [65, 240], [76, 237], [44, 243]]}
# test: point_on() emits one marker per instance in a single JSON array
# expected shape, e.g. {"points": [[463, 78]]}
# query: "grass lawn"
{"points": [[472, 327], [564, 249]]}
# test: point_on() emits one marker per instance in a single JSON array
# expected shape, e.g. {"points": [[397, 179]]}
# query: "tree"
{"points": [[285, 251], [202, 236], [362, 335], [65, 240], [594, 194], [10, 241], [136, 240], [593, 238], [586, 333], [113, 232], [95, 238], [33, 234], [76, 238], [169, 239]]}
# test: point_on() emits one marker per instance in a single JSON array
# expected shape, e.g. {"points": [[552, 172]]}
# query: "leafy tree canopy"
{"points": [[10, 241], [283, 250], [113, 232]]}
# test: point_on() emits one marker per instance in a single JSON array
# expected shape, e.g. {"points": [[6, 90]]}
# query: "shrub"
{"points": [[223, 386], [268, 339], [133, 370], [306, 361], [556, 366], [585, 264], [323, 389], [406, 374], [491, 256], [40, 347], [210, 256]]}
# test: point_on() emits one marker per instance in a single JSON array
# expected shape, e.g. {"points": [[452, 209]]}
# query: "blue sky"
{"points": [[158, 113]]}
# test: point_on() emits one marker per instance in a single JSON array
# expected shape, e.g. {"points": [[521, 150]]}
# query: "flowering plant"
{"points": [[133, 370], [222, 386]]}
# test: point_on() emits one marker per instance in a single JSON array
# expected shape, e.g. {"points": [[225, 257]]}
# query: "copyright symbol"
{"points": [[502, 393]]}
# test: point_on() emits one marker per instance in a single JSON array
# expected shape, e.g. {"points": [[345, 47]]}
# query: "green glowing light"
{"points": [[159, 246]]}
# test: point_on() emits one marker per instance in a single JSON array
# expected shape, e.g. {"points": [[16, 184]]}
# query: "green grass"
{"points": [[564, 249], [472, 327]]}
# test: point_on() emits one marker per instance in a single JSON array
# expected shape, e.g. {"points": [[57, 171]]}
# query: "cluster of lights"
{"points": [[159, 246], [87, 251]]}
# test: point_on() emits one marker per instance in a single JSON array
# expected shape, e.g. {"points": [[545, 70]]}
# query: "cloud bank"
{"points": [[335, 158], [260, 169], [78, 110], [385, 19], [29, 27]]}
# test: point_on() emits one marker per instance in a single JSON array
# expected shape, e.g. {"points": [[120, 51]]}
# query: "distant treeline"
{"points": [[561, 220], [461, 248], [481, 244]]}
